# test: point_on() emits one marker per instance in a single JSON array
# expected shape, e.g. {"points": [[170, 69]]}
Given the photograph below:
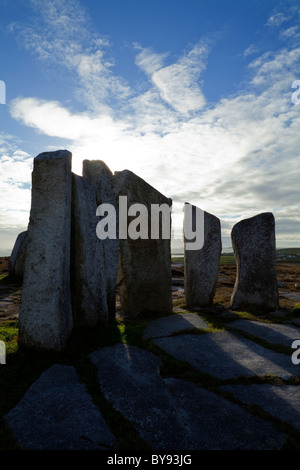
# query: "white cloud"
{"points": [[148, 60], [276, 19], [292, 32], [177, 83], [234, 159], [252, 49]]}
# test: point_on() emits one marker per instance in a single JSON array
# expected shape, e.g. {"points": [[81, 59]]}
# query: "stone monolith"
{"points": [[201, 266], [102, 180], [144, 276], [254, 246], [88, 282], [45, 316]]}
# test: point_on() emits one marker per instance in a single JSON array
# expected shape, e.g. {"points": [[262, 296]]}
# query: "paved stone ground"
{"points": [[57, 412]]}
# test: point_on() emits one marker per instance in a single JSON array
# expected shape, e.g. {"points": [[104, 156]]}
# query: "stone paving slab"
{"points": [[280, 401], [271, 332], [173, 414], [227, 355], [129, 378], [213, 423], [166, 326], [57, 413]]}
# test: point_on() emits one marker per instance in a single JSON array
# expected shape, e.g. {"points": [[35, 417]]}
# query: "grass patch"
{"points": [[296, 309], [227, 259], [5, 279]]}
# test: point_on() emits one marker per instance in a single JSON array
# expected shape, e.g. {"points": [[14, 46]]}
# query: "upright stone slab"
{"points": [[253, 242], [201, 266], [16, 263], [88, 283], [102, 179], [45, 316], [144, 276]]}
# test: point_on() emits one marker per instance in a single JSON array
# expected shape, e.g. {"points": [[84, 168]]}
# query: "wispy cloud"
{"points": [[252, 49], [62, 34], [235, 158]]}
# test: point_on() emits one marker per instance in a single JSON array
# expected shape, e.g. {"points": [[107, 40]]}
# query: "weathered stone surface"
{"points": [[271, 332], [144, 276], [280, 401], [211, 422], [253, 241], [173, 414], [201, 266], [166, 326], [45, 314], [102, 179], [57, 413], [129, 378], [88, 282], [16, 263], [226, 355]]}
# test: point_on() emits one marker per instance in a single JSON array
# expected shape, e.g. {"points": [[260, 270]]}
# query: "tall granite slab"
{"points": [[144, 276], [88, 283], [102, 180], [254, 246], [201, 266], [45, 316], [16, 264]]}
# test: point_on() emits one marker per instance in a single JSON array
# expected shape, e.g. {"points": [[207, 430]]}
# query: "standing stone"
{"points": [[45, 315], [87, 259], [253, 242], [102, 179], [16, 263], [201, 266], [144, 276]]}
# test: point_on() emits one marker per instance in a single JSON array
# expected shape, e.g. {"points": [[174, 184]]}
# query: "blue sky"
{"points": [[194, 96]]}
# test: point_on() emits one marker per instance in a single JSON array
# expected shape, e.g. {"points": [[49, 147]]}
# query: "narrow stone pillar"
{"points": [[88, 283], [45, 316], [201, 266], [102, 180], [253, 242], [16, 262], [144, 277]]}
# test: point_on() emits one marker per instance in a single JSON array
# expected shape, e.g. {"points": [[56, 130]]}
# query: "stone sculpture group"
{"points": [[71, 276]]}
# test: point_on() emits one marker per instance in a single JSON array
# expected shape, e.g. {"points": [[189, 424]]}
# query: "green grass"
{"points": [[296, 309], [227, 259]]}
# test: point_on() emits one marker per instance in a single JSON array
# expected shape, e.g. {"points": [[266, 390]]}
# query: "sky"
{"points": [[200, 98]]}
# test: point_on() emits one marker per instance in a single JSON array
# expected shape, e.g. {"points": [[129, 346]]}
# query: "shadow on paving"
{"points": [[226, 355]]}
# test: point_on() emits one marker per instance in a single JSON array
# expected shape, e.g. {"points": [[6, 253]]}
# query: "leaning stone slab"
{"points": [[280, 401], [57, 413], [45, 311], [225, 355], [170, 414], [271, 332], [102, 180], [16, 262], [166, 326], [201, 266], [129, 378], [145, 276], [254, 247], [88, 280]]}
